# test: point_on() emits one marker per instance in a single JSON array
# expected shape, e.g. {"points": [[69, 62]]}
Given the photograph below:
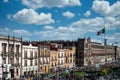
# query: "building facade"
{"points": [[69, 60], [90, 53], [53, 60], [61, 58], [43, 58], [29, 59], [10, 57]]}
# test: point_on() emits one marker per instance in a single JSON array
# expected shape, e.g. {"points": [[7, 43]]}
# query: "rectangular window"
{"points": [[25, 63], [31, 62], [35, 62], [25, 54], [4, 47], [17, 48], [31, 54]]}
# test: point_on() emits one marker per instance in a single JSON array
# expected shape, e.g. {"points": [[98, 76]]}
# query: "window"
{"points": [[45, 52], [25, 54], [11, 61], [4, 47], [25, 63], [31, 54], [55, 64], [52, 65], [35, 62], [70, 60], [31, 62], [35, 54], [17, 48], [4, 61], [70, 54], [17, 72], [61, 61], [17, 61], [11, 48]]}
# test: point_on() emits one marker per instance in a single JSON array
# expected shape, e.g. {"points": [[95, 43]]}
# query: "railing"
{"points": [[35, 63], [15, 64], [25, 64], [25, 57], [11, 55], [41, 55], [4, 55], [31, 64], [17, 55], [66, 55], [31, 57], [35, 56], [60, 56], [54, 59], [47, 55], [60, 63]]}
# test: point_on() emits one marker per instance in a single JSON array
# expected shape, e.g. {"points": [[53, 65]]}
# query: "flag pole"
{"points": [[105, 43]]}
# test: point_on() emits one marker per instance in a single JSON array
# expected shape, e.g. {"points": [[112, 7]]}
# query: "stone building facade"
{"points": [[10, 57], [90, 53], [29, 59]]}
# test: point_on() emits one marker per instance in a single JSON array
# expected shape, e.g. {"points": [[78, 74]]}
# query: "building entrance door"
{"points": [[12, 73]]}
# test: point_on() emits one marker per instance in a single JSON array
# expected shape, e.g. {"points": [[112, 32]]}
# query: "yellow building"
{"points": [[53, 60], [69, 57], [44, 58]]}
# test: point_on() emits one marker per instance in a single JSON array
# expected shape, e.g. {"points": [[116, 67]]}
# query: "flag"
{"points": [[101, 31]]}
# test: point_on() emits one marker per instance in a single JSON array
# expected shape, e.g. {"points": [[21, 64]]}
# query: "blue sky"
{"points": [[60, 19]]}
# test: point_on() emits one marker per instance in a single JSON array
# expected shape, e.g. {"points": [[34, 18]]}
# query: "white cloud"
{"points": [[35, 4], [26, 35], [29, 16], [60, 33], [105, 9], [93, 24], [5, 1], [48, 27], [87, 13], [78, 29], [22, 32], [4, 30], [90, 25], [114, 38], [112, 23], [17, 32], [68, 14]]}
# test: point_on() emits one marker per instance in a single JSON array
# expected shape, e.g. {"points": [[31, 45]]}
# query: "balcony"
{"points": [[31, 64], [47, 55], [25, 57], [54, 59], [60, 63], [60, 56], [36, 63], [18, 55], [45, 62], [31, 57], [41, 55], [15, 64], [66, 55], [4, 55], [11, 55], [25, 65], [35, 56]]}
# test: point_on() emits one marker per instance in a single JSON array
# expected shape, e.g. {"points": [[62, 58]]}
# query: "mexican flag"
{"points": [[101, 31]]}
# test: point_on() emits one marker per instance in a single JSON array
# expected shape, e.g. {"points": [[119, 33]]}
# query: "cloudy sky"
{"points": [[60, 19]]}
